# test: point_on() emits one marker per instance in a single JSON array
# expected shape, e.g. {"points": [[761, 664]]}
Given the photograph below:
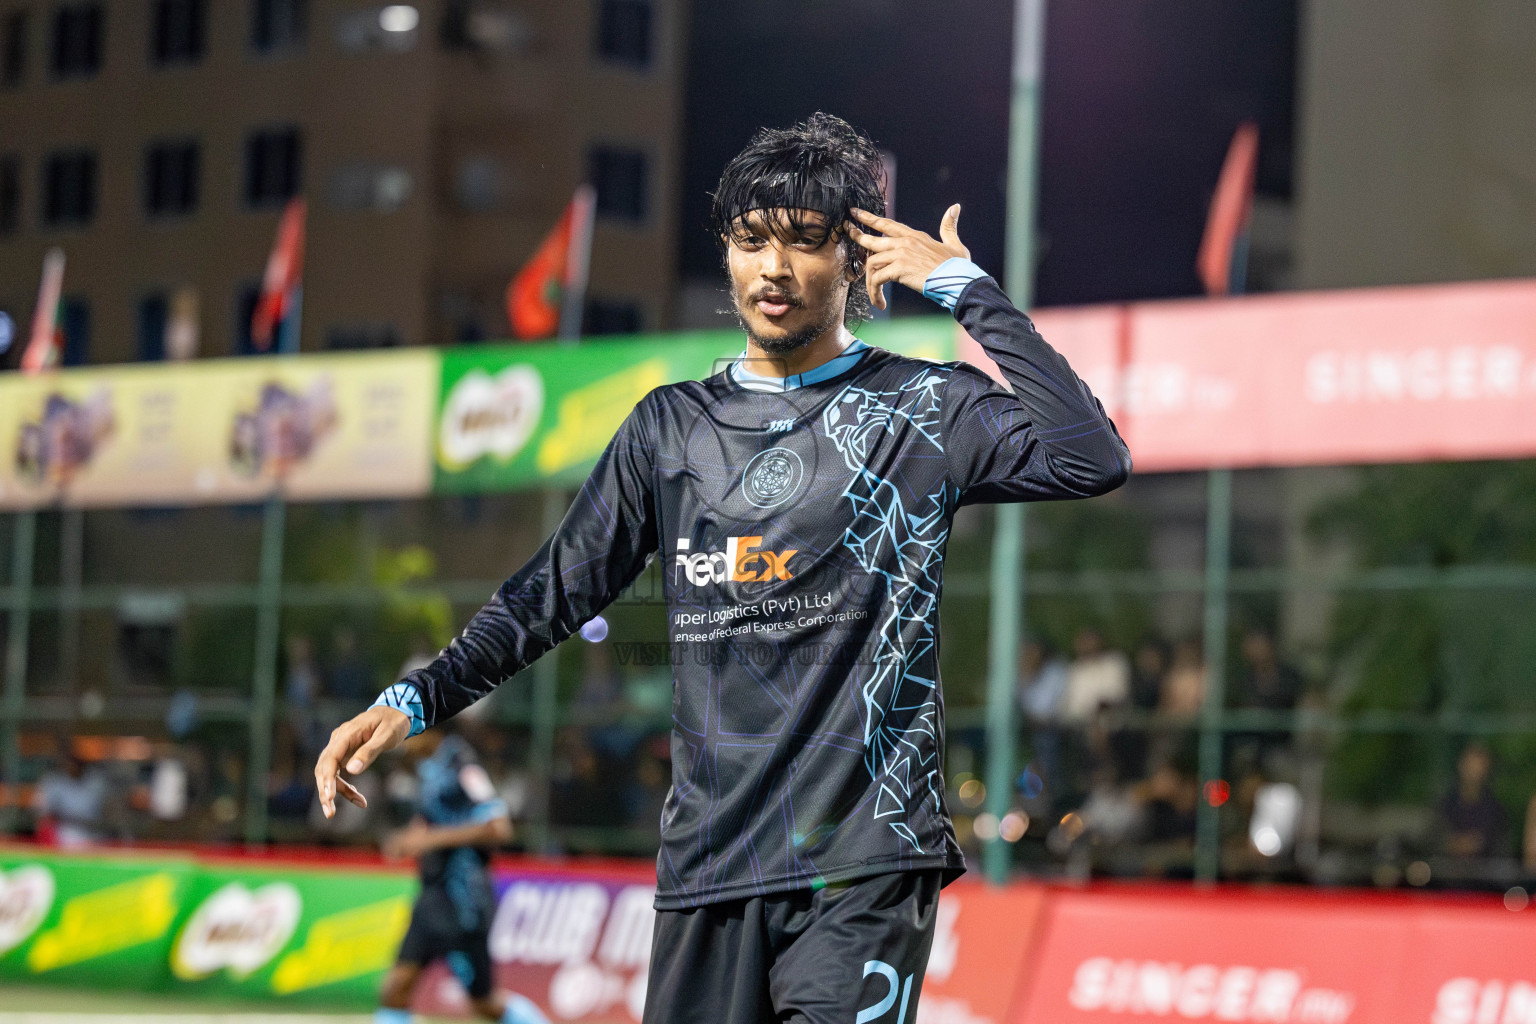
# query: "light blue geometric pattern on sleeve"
{"points": [[405, 698], [949, 279]]}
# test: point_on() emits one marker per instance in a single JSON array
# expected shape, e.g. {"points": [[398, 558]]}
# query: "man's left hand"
{"points": [[904, 254]]}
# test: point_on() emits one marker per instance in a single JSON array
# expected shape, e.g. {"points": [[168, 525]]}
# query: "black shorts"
{"points": [[846, 954], [437, 932]]}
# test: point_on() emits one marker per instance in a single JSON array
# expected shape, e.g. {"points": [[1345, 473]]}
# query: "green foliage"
{"points": [[1085, 537], [1433, 651]]}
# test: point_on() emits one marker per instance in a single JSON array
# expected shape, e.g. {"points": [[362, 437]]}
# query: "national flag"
{"points": [[281, 284], [1223, 260], [45, 349], [545, 297]]}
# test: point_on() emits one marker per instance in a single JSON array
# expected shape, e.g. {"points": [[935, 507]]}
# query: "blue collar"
{"points": [[839, 363]]}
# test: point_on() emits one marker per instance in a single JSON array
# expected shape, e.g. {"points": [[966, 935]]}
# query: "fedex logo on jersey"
{"points": [[742, 561]]}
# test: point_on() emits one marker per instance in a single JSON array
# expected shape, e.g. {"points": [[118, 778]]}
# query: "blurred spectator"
{"points": [[302, 684], [1096, 679], [1147, 675], [1266, 681], [351, 679], [1042, 681], [1168, 798], [1473, 823], [72, 803], [301, 688], [646, 793], [1183, 690], [579, 793]]}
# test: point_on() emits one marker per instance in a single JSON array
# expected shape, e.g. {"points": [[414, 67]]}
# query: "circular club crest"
{"points": [[771, 477]]}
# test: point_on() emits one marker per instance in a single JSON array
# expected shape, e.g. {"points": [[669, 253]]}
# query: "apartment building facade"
{"points": [[156, 143]]}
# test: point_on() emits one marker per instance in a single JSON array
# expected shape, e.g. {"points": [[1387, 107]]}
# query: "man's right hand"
{"points": [[358, 743]]}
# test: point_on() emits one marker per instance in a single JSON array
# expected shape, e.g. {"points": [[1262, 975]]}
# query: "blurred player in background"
{"points": [[458, 821], [802, 498]]}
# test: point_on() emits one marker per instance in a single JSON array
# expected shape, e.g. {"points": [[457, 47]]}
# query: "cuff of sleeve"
{"points": [[405, 698], [949, 279]]}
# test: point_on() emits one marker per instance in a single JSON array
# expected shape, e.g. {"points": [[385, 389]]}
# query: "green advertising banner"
{"points": [[514, 416], [521, 416], [88, 920], [314, 935], [117, 920]]}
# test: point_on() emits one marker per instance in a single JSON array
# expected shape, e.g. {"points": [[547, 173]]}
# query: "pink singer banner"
{"points": [[1379, 375]]}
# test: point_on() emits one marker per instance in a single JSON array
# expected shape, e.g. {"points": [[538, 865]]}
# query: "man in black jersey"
{"points": [[801, 501]]}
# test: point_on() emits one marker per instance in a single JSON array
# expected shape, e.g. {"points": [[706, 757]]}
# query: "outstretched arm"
{"points": [[597, 551], [1049, 437]]}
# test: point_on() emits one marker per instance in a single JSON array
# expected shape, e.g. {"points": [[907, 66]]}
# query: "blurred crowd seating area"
{"points": [[1370, 720]]}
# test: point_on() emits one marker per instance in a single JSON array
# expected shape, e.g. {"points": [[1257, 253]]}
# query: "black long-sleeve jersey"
{"points": [[803, 528]]}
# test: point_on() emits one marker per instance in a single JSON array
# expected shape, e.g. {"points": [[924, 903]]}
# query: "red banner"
{"points": [[578, 942], [1377, 375]]}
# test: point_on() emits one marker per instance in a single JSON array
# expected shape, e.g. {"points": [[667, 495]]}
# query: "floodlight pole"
{"points": [[1007, 580]]}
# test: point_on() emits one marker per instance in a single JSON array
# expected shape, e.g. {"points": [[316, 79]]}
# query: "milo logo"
{"points": [[238, 929], [485, 415], [26, 896]]}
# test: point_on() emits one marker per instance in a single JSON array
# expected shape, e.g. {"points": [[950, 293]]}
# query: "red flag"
{"points": [[1231, 210], [45, 349], [285, 269], [544, 298]]}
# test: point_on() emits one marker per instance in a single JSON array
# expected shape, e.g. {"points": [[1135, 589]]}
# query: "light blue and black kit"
{"points": [[801, 524]]}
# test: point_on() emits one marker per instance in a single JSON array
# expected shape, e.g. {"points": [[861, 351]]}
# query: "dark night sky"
{"points": [[1141, 99]]}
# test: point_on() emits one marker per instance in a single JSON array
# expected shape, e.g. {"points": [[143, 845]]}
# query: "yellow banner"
{"points": [[105, 921], [345, 945], [341, 426]]}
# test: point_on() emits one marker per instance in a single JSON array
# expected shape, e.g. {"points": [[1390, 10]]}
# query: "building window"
{"points": [[391, 28], [605, 316], [154, 314], [362, 336], [177, 32], [479, 184], [77, 33], [485, 25], [273, 160], [69, 189], [278, 24], [369, 186], [13, 49], [246, 297], [75, 325], [624, 31], [170, 178], [619, 177], [10, 195]]}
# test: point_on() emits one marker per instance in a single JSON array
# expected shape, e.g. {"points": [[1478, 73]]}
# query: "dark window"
{"points": [[177, 32], [77, 33], [69, 189], [154, 313], [619, 177], [246, 296], [608, 317], [278, 24], [13, 49], [75, 325], [624, 31], [272, 166], [170, 178], [10, 194]]}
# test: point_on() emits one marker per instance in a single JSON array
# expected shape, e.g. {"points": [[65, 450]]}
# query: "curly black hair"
{"points": [[822, 164]]}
